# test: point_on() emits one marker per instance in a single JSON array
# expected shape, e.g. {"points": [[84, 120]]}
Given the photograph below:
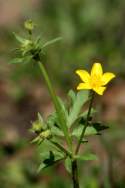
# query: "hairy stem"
{"points": [[86, 123]]}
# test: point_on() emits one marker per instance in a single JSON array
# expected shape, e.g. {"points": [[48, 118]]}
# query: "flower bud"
{"points": [[29, 25], [37, 127], [46, 134]]}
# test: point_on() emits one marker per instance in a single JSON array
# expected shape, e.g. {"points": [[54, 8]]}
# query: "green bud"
{"points": [[29, 25], [37, 127], [46, 134]]}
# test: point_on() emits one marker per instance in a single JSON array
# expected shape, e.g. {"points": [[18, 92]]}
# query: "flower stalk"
{"points": [[62, 121], [74, 162], [92, 93]]}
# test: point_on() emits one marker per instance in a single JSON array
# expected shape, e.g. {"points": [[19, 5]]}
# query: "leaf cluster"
{"points": [[30, 48], [75, 114]]}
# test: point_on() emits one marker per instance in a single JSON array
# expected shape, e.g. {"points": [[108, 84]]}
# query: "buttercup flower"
{"points": [[96, 80]]}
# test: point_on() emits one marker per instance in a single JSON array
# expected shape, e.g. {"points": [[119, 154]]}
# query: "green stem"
{"points": [[75, 174], [62, 120], [86, 123]]}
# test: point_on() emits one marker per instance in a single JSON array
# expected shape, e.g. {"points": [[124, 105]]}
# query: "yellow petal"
{"points": [[84, 75], [99, 90], [107, 77], [83, 86], [96, 69]]}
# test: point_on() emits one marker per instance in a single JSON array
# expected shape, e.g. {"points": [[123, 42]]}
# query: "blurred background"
{"points": [[92, 30]]}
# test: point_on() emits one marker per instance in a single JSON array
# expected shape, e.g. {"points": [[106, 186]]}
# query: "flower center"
{"points": [[95, 81]]}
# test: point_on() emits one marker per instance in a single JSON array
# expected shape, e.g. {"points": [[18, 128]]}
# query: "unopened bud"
{"points": [[37, 127], [46, 134], [29, 25]]}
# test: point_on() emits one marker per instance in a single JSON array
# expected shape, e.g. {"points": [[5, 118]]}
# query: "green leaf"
{"points": [[99, 126], [47, 146], [72, 96], [62, 119], [18, 38], [63, 107], [68, 165], [16, 61], [87, 157], [52, 120], [89, 131], [24, 60], [80, 99], [41, 121], [52, 123], [50, 159], [38, 140], [84, 114], [35, 140], [40, 118], [52, 42], [27, 59], [43, 165], [38, 39], [56, 131], [84, 141]]}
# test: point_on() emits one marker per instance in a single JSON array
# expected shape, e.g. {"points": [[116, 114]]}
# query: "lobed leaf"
{"points": [[52, 123], [89, 131], [80, 99], [50, 159]]}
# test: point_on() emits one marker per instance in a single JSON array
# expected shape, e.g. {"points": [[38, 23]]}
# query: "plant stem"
{"points": [[75, 174], [62, 120], [86, 123]]}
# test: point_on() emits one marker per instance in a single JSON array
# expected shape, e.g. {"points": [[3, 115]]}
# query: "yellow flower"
{"points": [[96, 80]]}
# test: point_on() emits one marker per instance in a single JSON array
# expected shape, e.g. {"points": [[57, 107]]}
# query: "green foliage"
{"points": [[50, 159], [78, 100], [86, 157], [99, 126], [67, 164], [89, 131], [30, 49], [56, 135], [51, 42]]}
